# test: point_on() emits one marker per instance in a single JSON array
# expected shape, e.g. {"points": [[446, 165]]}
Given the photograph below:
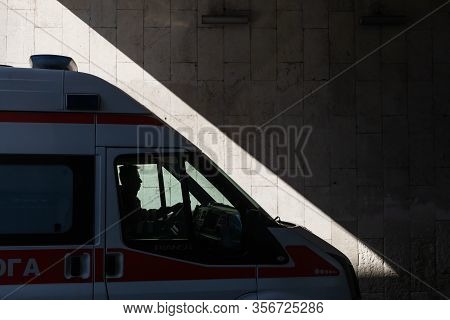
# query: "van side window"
{"points": [[151, 200], [149, 191], [35, 199], [46, 200]]}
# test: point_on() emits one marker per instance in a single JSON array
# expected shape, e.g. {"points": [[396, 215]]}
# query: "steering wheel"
{"points": [[168, 218], [170, 213]]}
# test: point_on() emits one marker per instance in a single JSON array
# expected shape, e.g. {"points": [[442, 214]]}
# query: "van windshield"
{"points": [[212, 193]]}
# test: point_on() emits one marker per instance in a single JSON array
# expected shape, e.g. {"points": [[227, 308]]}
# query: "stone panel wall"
{"points": [[379, 151]]}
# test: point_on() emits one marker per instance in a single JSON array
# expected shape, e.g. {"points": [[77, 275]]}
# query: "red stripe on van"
{"points": [[78, 118], [47, 117], [128, 119], [307, 263], [48, 266], [37, 266], [146, 267]]}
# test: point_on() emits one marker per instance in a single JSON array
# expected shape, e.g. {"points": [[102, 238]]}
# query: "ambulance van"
{"points": [[100, 199]]}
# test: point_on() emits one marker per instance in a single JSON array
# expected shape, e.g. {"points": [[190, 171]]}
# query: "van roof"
{"points": [[42, 90]]}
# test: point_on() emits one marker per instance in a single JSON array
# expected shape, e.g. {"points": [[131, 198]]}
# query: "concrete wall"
{"points": [[379, 151]]}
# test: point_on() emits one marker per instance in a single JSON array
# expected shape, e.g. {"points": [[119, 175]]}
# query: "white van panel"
{"points": [[44, 138], [74, 291], [193, 289], [31, 89], [141, 136]]}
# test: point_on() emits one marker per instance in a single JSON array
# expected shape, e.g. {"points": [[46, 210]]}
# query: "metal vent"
{"points": [[83, 102]]}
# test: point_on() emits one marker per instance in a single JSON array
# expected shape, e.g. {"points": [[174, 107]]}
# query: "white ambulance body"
{"points": [[64, 137]]}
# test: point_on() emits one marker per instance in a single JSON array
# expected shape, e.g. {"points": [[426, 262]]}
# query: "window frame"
{"points": [[83, 201]]}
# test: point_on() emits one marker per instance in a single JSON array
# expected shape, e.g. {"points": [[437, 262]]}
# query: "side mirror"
{"points": [[231, 231]]}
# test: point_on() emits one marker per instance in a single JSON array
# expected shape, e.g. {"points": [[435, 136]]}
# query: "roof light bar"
{"points": [[54, 62]]}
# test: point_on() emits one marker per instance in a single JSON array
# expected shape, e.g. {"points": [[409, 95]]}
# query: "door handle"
{"points": [[114, 265], [77, 266]]}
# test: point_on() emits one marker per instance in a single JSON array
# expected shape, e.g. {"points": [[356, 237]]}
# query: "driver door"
{"points": [[154, 262]]}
